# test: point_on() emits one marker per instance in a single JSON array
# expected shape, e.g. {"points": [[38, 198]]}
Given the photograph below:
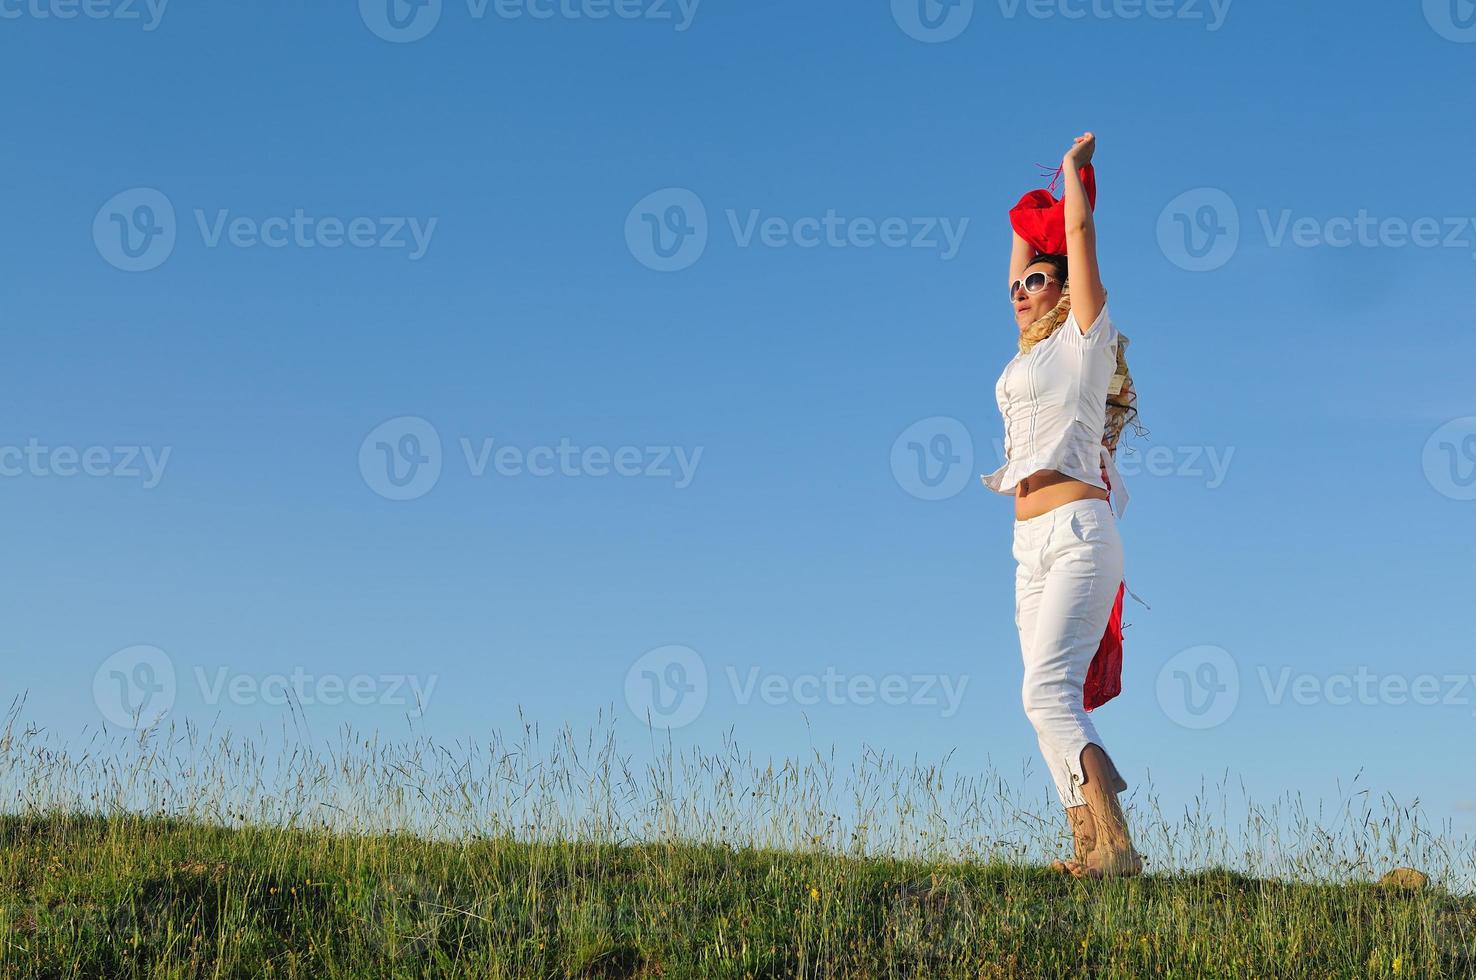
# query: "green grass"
{"points": [[178, 853], [155, 897]]}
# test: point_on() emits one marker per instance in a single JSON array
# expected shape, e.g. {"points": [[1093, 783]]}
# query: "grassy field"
{"points": [[154, 897], [187, 854]]}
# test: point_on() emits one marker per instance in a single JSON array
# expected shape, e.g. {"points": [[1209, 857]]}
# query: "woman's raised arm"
{"points": [[1087, 295], [1020, 255]]}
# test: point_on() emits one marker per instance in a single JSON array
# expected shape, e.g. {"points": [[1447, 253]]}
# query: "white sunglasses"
{"points": [[1033, 283]]}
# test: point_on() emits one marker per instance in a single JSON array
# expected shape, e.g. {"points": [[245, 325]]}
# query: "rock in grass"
{"points": [[1406, 878]]}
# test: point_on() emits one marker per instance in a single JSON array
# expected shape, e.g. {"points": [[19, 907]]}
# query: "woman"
{"points": [[1065, 398]]}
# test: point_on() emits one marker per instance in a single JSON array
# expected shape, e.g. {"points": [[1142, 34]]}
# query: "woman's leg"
{"points": [[1029, 547], [1081, 567], [1083, 835], [1114, 854]]}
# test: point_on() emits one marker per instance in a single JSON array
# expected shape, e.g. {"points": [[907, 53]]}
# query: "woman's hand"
{"points": [[1080, 153]]}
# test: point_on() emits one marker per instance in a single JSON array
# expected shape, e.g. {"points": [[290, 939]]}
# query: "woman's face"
{"points": [[1030, 307]]}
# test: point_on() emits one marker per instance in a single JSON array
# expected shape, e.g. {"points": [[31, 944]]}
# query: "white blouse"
{"points": [[1054, 404]]}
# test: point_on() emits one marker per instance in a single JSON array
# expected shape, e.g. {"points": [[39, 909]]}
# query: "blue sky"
{"points": [[344, 233]]}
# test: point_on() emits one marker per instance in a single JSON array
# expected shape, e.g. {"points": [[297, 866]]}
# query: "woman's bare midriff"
{"points": [[1046, 490]]}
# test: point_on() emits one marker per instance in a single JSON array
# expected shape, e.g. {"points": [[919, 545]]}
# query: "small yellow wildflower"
{"points": [[1398, 962], [814, 894]]}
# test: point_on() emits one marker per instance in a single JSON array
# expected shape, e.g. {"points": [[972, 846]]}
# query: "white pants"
{"points": [[1070, 563]]}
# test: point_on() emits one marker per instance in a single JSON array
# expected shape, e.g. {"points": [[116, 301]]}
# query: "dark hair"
{"points": [[1056, 262]]}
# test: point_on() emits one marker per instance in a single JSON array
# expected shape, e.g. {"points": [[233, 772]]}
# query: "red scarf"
{"points": [[1104, 676], [1040, 218]]}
